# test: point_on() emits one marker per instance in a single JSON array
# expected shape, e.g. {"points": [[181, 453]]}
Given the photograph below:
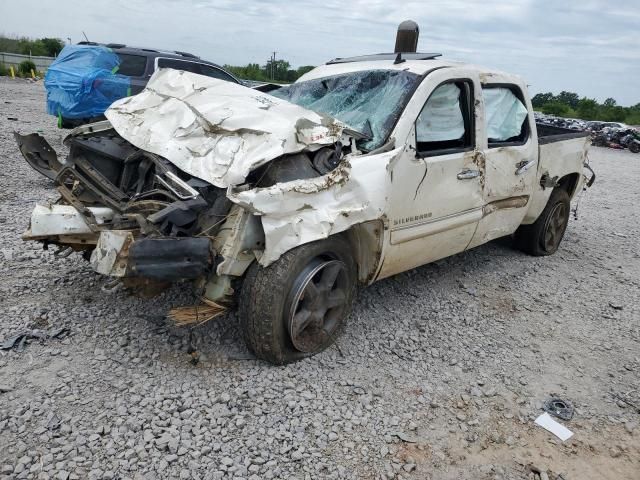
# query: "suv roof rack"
{"points": [[185, 54], [153, 50], [386, 56]]}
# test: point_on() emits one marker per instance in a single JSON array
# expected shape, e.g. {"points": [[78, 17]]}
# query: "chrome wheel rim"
{"points": [[319, 301]]}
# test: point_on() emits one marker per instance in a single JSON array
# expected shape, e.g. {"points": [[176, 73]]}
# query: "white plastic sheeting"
{"points": [[216, 130], [504, 113], [441, 118]]}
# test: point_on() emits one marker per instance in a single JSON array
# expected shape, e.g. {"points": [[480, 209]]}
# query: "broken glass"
{"points": [[369, 101]]}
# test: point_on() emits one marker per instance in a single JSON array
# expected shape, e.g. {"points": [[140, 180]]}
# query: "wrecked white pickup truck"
{"points": [[281, 203]]}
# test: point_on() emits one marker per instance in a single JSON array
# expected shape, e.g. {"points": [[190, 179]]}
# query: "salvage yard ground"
{"points": [[440, 373]]}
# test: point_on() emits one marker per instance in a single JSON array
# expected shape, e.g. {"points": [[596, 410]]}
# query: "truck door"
{"points": [[511, 161], [436, 188]]}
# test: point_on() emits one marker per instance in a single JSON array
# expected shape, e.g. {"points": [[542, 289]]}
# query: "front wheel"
{"points": [[297, 306], [543, 237]]}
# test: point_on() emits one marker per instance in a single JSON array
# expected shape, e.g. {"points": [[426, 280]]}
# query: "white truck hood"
{"points": [[215, 130]]}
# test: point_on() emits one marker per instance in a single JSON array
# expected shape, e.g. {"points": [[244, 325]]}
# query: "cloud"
{"points": [[588, 47]]}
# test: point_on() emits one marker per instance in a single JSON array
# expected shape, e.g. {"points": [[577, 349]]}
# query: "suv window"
{"points": [[505, 115], [193, 67], [214, 72], [178, 65], [445, 124], [132, 65]]}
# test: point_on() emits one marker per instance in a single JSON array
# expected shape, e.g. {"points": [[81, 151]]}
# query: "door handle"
{"points": [[523, 166], [468, 174]]}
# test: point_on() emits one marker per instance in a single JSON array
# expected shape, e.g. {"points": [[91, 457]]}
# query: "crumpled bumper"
{"points": [[121, 253], [64, 222]]}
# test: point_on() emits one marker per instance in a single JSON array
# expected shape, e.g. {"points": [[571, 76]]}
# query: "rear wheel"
{"points": [[634, 146], [543, 237], [297, 306]]}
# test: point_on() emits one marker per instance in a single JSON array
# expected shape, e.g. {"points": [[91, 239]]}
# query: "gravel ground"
{"points": [[439, 374]]}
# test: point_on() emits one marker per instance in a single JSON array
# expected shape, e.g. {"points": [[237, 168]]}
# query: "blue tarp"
{"points": [[82, 82]]}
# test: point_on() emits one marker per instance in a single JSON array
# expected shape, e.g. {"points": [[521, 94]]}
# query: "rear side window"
{"points": [[505, 116], [179, 65], [214, 72], [132, 65], [445, 124]]}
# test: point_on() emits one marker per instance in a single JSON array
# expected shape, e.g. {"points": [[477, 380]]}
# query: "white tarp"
{"points": [[441, 118], [216, 130], [504, 113]]}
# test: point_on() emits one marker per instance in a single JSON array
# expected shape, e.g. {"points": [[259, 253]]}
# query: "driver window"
{"points": [[445, 123]]}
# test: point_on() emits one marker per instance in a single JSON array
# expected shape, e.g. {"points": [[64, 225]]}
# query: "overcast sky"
{"points": [[591, 47]]}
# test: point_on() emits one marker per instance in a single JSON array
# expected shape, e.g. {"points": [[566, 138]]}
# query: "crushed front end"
{"points": [[135, 215], [195, 179]]}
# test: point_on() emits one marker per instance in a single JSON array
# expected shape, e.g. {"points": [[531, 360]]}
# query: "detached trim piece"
{"points": [[170, 259]]}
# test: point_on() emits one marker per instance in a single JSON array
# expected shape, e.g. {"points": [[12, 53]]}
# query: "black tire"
{"points": [[543, 237], [634, 147], [270, 298]]}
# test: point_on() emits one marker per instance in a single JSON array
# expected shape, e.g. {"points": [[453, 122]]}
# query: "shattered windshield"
{"points": [[369, 102]]}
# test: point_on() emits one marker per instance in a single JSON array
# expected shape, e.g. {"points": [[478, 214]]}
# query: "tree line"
{"points": [[39, 47], [570, 105], [279, 71]]}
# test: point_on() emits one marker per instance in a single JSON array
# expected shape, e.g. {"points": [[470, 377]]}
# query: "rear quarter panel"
{"points": [[557, 159]]}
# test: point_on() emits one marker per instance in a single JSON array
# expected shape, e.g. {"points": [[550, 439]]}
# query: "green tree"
{"points": [[304, 69], [568, 98], [556, 108], [278, 71], [542, 99], [587, 109], [52, 46]]}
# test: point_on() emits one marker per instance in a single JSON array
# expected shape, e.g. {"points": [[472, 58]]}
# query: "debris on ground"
{"points": [[549, 424], [197, 314], [558, 407], [20, 340]]}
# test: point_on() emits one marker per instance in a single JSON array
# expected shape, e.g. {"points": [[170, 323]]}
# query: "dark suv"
{"points": [[86, 78], [140, 63]]}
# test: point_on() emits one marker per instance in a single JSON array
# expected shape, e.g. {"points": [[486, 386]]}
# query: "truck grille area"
{"points": [[144, 190]]}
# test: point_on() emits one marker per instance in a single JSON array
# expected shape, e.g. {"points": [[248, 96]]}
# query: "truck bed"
{"points": [[551, 133]]}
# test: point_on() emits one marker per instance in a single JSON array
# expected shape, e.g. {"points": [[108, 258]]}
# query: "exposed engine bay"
{"points": [[169, 218]]}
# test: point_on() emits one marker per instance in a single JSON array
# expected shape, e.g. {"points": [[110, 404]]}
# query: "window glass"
{"points": [[214, 72], [132, 65], [505, 115], [179, 65], [369, 102]]}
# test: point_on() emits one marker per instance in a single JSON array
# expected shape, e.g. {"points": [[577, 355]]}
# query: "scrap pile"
{"points": [[603, 134]]}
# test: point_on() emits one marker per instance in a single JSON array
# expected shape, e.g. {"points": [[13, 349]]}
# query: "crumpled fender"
{"points": [[303, 211]]}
